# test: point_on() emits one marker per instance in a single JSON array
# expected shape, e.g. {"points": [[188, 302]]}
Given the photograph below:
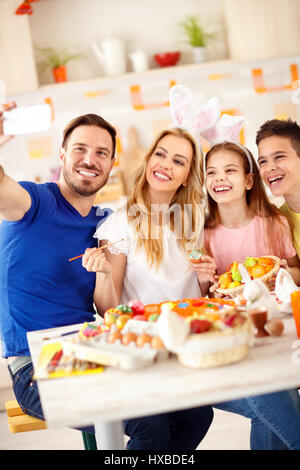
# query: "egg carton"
{"points": [[100, 351], [139, 327]]}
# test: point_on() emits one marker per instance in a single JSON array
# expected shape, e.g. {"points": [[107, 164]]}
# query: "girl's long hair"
{"points": [[257, 201], [188, 199]]}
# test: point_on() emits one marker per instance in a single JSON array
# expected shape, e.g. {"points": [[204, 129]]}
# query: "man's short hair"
{"points": [[89, 120], [281, 128]]}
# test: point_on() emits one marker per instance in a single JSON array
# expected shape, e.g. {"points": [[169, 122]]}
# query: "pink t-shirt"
{"points": [[234, 244]]}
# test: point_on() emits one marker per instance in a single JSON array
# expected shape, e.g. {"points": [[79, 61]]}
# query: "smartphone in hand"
{"points": [[27, 120]]}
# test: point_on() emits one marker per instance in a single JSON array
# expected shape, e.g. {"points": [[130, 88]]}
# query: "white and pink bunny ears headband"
{"points": [[227, 129], [205, 122], [186, 117]]}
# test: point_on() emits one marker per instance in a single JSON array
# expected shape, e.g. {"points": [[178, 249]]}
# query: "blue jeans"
{"points": [[275, 419], [179, 430]]}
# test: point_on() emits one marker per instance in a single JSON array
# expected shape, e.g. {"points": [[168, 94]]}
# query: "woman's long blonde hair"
{"points": [[189, 199]]}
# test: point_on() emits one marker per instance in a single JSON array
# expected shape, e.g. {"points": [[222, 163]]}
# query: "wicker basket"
{"points": [[239, 289], [221, 357]]}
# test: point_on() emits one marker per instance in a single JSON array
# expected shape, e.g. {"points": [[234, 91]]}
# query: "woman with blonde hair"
{"points": [[190, 192], [160, 224]]}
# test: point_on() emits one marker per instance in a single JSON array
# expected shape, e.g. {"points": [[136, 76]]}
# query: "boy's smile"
{"points": [[279, 165]]}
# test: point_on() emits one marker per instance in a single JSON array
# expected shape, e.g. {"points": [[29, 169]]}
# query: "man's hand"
{"points": [[15, 201], [5, 138]]}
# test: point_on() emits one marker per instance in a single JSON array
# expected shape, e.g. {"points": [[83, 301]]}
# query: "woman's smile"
{"points": [[161, 176]]}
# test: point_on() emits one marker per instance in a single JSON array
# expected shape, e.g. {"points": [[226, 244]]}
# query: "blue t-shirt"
{"points": [[39, 287]]}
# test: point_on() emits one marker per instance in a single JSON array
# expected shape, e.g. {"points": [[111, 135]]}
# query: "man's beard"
{"points": [[81, 190]]}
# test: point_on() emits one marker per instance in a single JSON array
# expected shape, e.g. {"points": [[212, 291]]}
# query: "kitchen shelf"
{"points": [[212, 67], [133, 75]]}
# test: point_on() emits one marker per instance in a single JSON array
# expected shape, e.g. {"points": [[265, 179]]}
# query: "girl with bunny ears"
{"points": [[242, 222], [162, 221], [240, 214]]}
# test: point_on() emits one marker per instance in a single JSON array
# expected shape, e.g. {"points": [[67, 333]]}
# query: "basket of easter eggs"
{"points": [[263, 268]]}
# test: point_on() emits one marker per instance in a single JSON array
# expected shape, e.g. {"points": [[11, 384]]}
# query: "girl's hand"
{"points": [[213, 289], [215, 285], [94, 260], [206, 269], [283, 264], [272, 281]]}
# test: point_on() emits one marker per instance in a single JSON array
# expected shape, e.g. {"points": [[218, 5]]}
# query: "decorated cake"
{"points": [[208, 337], [232, 282]]}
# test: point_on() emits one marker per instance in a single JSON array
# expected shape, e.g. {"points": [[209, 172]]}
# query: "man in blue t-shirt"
{"points": [[43, 226]]}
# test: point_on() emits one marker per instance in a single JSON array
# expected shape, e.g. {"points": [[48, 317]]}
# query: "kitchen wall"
{"points": [[150, 25], [258, 90]]}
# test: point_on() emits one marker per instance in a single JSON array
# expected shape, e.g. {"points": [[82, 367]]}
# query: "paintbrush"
{"points": [[101, 248]]}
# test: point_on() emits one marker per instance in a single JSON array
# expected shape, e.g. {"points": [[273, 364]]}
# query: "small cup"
{"points": [[259, 317], [139, 61]]}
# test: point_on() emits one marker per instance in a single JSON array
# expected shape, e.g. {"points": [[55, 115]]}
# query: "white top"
{"points": [[173, 280]]}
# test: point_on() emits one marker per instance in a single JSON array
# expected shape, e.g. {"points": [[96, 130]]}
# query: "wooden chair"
{"points": [[21, 422]]}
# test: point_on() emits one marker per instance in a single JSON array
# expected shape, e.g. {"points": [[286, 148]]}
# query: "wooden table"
{"points": [[105, 399]]}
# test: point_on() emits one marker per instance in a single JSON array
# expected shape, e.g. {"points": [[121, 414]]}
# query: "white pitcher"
{"points": [[111, 55]]}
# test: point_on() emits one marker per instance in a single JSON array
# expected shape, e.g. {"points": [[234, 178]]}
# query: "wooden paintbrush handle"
{"points": [[100, 248]]}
